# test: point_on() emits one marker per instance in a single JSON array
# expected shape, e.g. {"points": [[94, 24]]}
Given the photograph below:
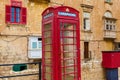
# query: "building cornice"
{"points": [[87, 8]]}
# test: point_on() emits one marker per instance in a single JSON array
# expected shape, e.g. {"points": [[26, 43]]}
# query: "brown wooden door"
{"points": [[86, 50]]}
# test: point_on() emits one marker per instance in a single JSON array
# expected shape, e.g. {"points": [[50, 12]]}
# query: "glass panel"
{"points": [[108, 14], [47, 40], [12, 9], [48, 69], [47, 55], [48, 76], [17, 14], [40, 44], [87, 24], [68, 33], [47, 27], [48, 60], [107, 27], [12, 18], [47, 47], [69, 48], [69, 26], [68, 41], [17, 20], [12, 14], [47, 34], [34, 45], [48, 65], [17, 10], [108, 0]]}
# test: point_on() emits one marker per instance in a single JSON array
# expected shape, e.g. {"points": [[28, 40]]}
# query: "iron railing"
{"points": [[21, 75]]}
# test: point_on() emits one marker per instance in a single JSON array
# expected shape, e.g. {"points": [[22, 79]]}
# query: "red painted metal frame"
{"points": [[111, 59], [50, 15]]}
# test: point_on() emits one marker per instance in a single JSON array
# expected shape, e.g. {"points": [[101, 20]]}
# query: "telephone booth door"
{"points": [[61, 44], [69, 68]]}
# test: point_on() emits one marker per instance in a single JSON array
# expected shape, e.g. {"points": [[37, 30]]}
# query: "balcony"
{"points": [[109, 34]]}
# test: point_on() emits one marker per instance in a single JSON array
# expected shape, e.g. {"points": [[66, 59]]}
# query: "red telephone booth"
{"points": [[61, 44]]}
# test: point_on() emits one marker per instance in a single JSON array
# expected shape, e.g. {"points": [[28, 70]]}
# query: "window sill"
{"points": [[10, 23], [108, 18], [109, 2], [88, 31], [35, 49]]}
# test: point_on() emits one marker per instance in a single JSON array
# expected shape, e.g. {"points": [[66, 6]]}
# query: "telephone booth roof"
{"points": [[61, 12]]}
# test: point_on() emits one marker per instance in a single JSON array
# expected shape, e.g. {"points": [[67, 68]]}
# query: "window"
{"points": [[87, 53], [109, 25], [36, 44], [86, 21], [86, 49], [109, 21], [108, 14], [15, 14], [108, 1], [35, 47], [117, 45]]}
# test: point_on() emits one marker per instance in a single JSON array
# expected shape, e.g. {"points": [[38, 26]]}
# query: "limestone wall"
{"points": [[14, 38]]}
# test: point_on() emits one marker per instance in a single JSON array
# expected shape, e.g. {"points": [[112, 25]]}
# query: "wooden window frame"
{"points": [[87, 53], [22, 15], [110, 24], [14, 15], [85, 18]]}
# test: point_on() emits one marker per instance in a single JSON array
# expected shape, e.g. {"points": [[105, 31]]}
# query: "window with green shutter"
{"points": [[109, 1]]}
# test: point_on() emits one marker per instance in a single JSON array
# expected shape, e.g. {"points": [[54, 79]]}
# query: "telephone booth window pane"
{"points": [[69, 41], [48, 76], [47, 27], [48, 69], [69, 26], [48, 48], [47, 55], [47, 40], [47, 34], [69, 48], [48, 61], [68, 33]]}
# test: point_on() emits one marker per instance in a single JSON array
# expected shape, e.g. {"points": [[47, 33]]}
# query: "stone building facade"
{"points": [[99, 29]]}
